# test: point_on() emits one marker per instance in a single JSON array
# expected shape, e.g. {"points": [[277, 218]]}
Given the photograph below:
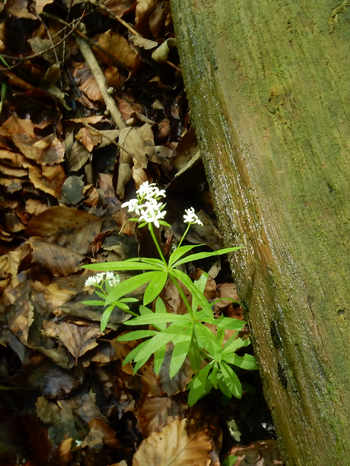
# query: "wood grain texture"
{"points": [[268, 85]]}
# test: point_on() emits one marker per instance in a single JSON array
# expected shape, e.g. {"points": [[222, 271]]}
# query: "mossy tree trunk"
{"points": [[269, 88]]}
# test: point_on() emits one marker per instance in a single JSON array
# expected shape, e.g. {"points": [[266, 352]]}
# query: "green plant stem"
{"points": [[150, 228], [184, 235]]}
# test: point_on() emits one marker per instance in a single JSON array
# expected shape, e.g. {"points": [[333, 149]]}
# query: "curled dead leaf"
{"points": [[174, 446], [77, 339]]}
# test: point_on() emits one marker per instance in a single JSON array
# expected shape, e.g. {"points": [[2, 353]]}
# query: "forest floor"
{"points": [[92, 105]]}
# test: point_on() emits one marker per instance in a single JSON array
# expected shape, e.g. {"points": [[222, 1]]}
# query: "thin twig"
{"points": [[95, 68]]}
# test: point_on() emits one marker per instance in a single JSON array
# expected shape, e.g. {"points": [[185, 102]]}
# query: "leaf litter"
{"points": [[93, 105]]}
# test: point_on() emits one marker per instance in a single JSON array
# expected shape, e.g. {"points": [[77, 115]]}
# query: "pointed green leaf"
{"points": [[230, 323], [131, 355], [120, 265], [178, 356], [129, 285], [229, 383], [128, 300], [152, 345], [200, 284], [195, 358], [155, 286], [207, 340], [158, 360], [233, 344], [204, 255], [199, 386], [93, 302], [247, 362], [156, 319], [105, 317], [179, 252], [136, 335]]}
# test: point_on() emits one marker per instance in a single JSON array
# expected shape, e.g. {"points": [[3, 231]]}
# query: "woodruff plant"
{"points": [[211, 358]]}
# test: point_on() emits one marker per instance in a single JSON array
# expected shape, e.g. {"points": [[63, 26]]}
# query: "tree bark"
{"points": [[268, 86]]}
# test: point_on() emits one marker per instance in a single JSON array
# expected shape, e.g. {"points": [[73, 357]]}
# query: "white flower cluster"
{"points": [[99, 278], [147, 206], [191, 217]]}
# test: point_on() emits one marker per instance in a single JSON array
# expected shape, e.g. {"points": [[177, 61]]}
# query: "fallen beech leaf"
{"points": [[78, 340], [77, 156], [66, 226], [137, 145], [40, 5], [173, 446], [35, 207], [118, 49], [46, 151], [10, 262], [227, 290], [21, 318], [155, 413], [12, 185], [118, 7], [140, 41], [89, 138], [99, 428], [143, 9], [47, 179], [59, 260], [19, 8]]}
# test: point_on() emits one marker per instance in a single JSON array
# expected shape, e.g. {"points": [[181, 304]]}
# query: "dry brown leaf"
{"points": [[118, 49], [66, 226], [40, 5], [45, 151], [35, 207], [47, 179], [119, 7], [87, 83], [90, 120], [227, 290], [21, 318], [64, 451], [173, 446], [12, 185], [158, 18], [60, 261], [155, 413], [88, 138], [16, 172], [137, 145], [19, 8], [78, 340], [77, 156], [10, 263], [143, 10], [99, 429]]}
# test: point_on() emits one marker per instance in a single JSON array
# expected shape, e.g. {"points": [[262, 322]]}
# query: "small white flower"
{"points": [[112, 279], [150, 191], [191, 217], [152, 212], [133, 206], [95, 280], [147, 206]]}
